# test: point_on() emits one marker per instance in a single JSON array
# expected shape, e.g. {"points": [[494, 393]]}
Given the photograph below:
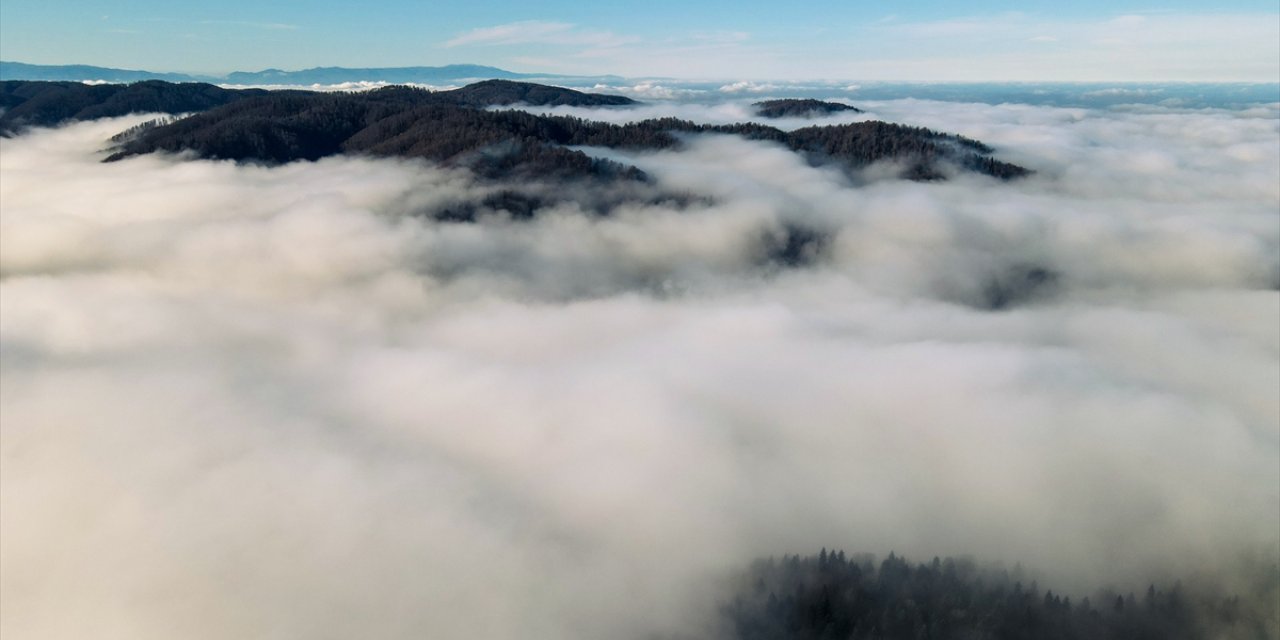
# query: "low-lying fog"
{"points": [[249, 402]]}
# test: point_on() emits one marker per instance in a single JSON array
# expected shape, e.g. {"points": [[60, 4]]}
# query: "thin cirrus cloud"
{"points": [[538, 32], [1027, 47], [1234, 36], [709, 53], [1009, 46], [270, 26]]}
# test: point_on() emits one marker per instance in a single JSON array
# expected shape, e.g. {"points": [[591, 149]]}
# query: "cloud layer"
{"points": [[282, 402]]}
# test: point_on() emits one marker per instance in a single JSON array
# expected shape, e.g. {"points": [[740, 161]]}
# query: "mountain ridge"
{"points": [[453, 128], [46, 103], [444, 74]]}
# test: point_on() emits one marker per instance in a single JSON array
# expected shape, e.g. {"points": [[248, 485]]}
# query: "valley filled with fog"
{"points": [[290, 401]]}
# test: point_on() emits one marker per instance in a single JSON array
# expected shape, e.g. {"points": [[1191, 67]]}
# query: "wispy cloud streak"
{"points": [[538, 32]]}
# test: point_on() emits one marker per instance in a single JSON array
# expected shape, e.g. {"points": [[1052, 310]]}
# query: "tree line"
{"points": [[831, 596], [407, 122]]}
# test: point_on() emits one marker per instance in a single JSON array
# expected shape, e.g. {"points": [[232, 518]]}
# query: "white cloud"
{"points": [[650, 90], [243, 401], [747, 86]]}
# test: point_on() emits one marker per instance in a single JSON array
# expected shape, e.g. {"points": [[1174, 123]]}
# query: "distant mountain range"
{"points": [[448, 74], [82, 72]]}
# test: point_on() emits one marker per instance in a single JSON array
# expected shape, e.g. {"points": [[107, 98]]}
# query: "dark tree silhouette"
{"points": [[800, 108], [42, 104], [27, 103], [833, 597], [447, 128]]}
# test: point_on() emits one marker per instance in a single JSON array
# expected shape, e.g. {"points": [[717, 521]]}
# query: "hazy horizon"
{"points": [[536, 73], [1148, 40], [726, 77]]}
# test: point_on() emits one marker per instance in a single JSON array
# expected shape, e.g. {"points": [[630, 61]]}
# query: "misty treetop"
{"points": [[448, 128], [831, 596], [504, 92], [453, 128], [800, 108], [42, 103]]}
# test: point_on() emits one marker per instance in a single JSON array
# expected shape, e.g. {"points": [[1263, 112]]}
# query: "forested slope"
{"points": [[444, 127]]}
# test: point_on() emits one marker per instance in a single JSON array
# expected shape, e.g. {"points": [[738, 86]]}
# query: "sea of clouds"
{"points": [[284, 402]]}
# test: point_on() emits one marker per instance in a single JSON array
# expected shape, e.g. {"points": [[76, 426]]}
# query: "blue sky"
{"points": [[979, 40]]}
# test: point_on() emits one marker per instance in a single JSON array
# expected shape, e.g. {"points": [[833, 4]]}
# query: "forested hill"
{"points": [[36, 103], [505, 92], [440, 126], [451, 127], [800, 108], [41, 103]]}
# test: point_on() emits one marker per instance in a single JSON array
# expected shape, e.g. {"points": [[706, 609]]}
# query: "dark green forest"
{"points": [[800, 108], [831, 596], [414, 123], [454, 129], [29, 103], [41, 104]]}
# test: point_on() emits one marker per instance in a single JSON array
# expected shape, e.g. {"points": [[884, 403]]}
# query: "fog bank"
{"points": [[242, 401]]}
